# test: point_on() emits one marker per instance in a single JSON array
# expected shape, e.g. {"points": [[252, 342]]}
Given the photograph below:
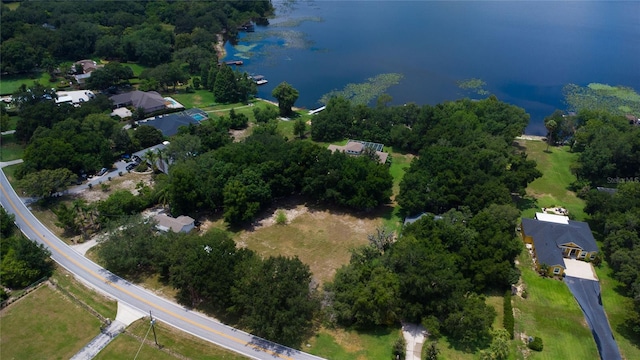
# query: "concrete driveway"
{"points": [[579, 269]]}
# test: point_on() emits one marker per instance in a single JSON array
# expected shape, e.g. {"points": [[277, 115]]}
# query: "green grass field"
{"points": [[98, 302], [10, 149], [10, 83], [341, 344], [551, 312], [175, 345], [45, 325], [552, 188], [615, 305], [202, 99]]}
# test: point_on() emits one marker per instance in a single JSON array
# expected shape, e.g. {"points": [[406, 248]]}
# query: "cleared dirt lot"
{"points": [[320, 238]]}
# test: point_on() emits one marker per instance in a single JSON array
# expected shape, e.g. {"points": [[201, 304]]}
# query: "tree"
{"points": [[224, 85], [23, 261], [244, 195], [551, 126], [364, 293], [67, 218], [147, 136], [265, 114], [432, 352], [45, 183], [128, 248], [469, 325], [499, 348], [7, 225], [203, 268], [183, 147], [275, 300], [286, 96], [299, 128]]}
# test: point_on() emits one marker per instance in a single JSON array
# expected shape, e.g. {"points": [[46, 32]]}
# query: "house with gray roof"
{"points": [[553, 238], [168, 124], [149, 101]]}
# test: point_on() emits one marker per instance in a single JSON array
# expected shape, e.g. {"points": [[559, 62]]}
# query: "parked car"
{"points": [[131, 166], [102, 171]]}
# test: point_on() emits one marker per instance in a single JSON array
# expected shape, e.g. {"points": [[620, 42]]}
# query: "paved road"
{"points": [[138, 298]]}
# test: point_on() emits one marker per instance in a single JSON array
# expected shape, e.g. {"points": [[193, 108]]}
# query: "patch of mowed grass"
{"points": [[202, 99], [339, 344], [551, 312], [552, 188], [10, 83], [97, 301], [137, 68], [45, 325], [616, 306], [174, 343], [11, 149]]}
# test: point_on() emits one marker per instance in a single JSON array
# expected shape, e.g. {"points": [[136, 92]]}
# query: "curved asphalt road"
{"points": [[138, 298]]}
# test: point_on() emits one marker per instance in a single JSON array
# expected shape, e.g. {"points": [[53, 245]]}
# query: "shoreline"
{"points": [[219, 47]]}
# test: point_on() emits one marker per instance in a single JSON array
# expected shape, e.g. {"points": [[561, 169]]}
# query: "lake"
{"points": [[524, 51]]}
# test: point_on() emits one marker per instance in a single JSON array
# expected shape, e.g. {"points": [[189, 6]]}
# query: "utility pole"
{"points": [[153, 322]]}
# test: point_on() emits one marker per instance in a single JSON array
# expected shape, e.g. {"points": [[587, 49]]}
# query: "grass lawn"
{"points": [[11, 149], [552, 188], [10, 83], [175, 345], [98, 302], [615, 305], [551, 312], [339, 344], [45, 325], [199, 99], [137, 68]]}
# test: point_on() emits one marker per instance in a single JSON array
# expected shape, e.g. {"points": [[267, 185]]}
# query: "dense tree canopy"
{"points": [[22, 261], [242, 178], [125, 30], [614, 220]]}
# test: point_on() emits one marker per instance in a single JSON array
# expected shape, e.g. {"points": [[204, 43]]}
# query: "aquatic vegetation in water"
{"points": [[293, 22], [290, 38], [363, 93], [619, 100], [473, 85]]}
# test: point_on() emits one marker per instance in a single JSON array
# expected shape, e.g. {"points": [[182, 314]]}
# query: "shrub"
{"points": [[281, 218], [509, 321], [120, 173], [535, 344], [400, 348]]}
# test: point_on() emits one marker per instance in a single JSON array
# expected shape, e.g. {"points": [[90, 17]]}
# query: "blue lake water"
{"points": [[524, 51]]}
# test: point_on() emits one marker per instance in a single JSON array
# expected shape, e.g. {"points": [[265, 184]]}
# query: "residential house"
{"points": [[180, 224], [149, 101], [552, 238], [88, 66], [356, 148], [168, 124]]}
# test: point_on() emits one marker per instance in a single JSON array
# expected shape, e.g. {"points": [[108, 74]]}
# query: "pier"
{"points": [[313, 112]]}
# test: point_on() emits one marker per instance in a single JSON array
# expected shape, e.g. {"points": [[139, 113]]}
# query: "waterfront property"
{"points": [[554, 238], [357, 148], [149, 101]]}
